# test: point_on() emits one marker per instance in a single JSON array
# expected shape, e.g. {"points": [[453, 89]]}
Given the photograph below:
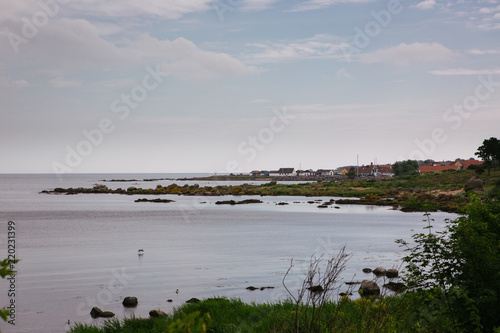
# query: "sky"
{"points": [[225, 86]]}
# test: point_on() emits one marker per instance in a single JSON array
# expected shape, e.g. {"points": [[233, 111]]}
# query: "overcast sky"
{"points": [[239, 85]]}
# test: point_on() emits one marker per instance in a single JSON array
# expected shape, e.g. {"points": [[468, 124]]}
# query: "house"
{"points": [[383, 170], [304, 173], [257, 173], [465, 164], [286, 172], [324, 172], [437, 168], [365, 170]]}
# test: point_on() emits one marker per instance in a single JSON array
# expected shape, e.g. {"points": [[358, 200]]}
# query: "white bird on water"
{"points": [[140, 252]]}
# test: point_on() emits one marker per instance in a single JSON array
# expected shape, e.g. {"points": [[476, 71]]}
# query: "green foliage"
{"points": [[351, 174], [5, 271], [193, 322], [463, 264], [489, 151], [405, 168]]}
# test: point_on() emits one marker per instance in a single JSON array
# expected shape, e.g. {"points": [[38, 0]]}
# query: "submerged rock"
{"points": [[107, 314], [395, 286], [367, 270], [316, 289]]}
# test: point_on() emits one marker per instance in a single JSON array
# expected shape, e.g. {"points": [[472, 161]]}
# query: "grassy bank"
{"points": [[411, 312]]}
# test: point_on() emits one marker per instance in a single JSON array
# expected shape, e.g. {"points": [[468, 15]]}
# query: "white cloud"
{"points": [[463, 71], [489, 10], [320, 4], [343, 73], [5, 83], [427, 4], [171, 9], [482, 52], [182, 58], [61, 82], [406, 54], [317, 47], [256, 5]]}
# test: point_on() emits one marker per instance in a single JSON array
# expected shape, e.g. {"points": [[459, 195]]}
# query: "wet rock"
{"points": [[252, 288], [347, 293], [316, 289], [95, 312], [322, 206], [367, 270], [107, 314], [169, 300], [263, 288], [379, 271], [369, 288], [157, 314], [392, 273], [130, 302], [395, 286], [193, 300]]}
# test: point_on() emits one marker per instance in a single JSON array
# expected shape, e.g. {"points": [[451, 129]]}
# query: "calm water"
{"points": [[80, 251]]}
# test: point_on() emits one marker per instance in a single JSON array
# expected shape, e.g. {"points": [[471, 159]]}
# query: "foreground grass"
{"points": [[410, 312]]}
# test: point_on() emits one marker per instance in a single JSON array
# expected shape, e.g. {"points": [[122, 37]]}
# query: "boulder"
{"points": [[316, 289], [193, 300], [395, 286], [130, 302], [392, 273], [95, 312], [369, 288], [157, 314], [107, 314], [474, 184], [379, 271]]}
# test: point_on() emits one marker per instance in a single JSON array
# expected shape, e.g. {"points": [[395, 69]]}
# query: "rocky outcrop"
{"points": [[474, 184], [369, 288], [130, 302], [193, 300]]}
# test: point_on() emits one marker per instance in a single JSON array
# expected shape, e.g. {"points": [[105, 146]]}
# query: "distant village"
{"points": [[371, 170]]}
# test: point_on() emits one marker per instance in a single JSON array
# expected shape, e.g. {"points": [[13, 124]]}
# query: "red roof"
{"points": [[468, 163], [437, 168]]}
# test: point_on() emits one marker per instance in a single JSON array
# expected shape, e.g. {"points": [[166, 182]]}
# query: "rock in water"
{"points": [[379, 271], [193, 300], [95, 312], [130, 302], [157, 314], [392, 273], [369, 288], [107, 314]]}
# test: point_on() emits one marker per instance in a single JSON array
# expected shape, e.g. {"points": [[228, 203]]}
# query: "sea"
{"points": [[80, 251]]}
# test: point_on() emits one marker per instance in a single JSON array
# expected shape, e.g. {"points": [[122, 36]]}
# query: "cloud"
{"points": [[317, 47], [427, 4], [5, 83], [182, 58], [171, 9], [343, 73], [256, 5], [489, 10], [462, 71], [482, 52], [61, 82], [406, 54], [320, 4]]}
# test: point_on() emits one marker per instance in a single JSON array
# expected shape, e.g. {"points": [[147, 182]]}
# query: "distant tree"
{"points": [[404, 168], [489, 151], [351, 174]]}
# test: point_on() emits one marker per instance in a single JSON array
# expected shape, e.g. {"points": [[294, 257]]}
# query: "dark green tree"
{"points": [[405, 168], [489, 151], [351, 174]]}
